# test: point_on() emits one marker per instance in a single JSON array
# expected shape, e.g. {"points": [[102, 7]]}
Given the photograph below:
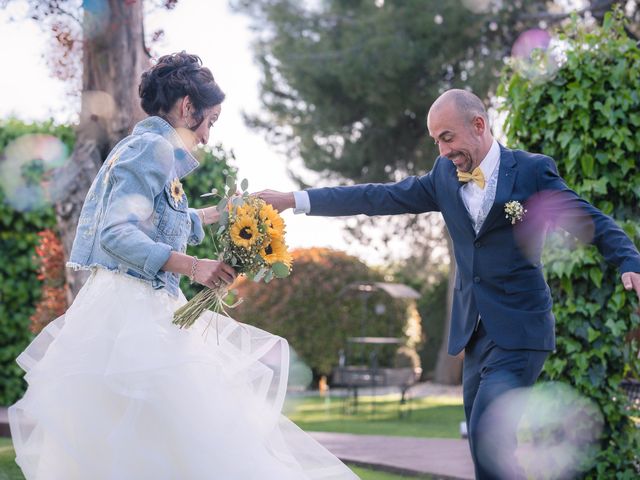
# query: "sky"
{"points": [[223, 40]]}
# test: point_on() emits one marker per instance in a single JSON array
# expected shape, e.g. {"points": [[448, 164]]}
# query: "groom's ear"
{"points": [[479, 125]]}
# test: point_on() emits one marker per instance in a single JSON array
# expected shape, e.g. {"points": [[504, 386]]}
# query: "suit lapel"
{"points": [[463, 213], [506, 180]]}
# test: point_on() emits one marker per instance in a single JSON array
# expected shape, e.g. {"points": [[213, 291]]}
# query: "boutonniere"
{"points": [[176, 191], [514, 211]]}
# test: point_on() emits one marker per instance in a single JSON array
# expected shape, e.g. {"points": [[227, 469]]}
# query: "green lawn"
{"points": [[435, 417], [365, 474], [8, 468]]}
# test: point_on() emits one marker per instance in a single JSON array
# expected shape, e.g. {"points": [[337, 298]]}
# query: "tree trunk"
{"points": [[448, 368], [114, 57]]}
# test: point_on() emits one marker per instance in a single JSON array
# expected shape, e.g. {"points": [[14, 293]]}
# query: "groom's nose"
{"points": [[444, 150]]}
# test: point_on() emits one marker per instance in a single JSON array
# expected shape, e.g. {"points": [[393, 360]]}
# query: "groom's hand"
{"points": [[631, 281], [279, 200]]}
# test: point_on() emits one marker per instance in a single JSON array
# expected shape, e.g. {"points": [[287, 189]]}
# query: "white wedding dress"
{"points": [[117, 392]]}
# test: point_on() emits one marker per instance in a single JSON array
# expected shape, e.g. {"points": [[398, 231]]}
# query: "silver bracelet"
{"points": [[194, 265]]}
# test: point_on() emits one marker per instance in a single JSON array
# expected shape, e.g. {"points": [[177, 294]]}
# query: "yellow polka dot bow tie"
{"points": [[476, 176]]}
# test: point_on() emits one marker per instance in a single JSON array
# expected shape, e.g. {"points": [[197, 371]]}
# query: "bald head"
{"points": [[459, 124], [463, 103]]}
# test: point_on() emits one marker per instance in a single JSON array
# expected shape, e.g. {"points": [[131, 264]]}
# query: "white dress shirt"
{"points": [[472, 194], [303, 204]]}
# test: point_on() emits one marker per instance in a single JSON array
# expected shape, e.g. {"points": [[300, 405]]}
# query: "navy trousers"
{"points": [[488, 372]]}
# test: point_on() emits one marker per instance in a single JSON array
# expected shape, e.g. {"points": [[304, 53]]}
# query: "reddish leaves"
{"points": [[50, 258]]}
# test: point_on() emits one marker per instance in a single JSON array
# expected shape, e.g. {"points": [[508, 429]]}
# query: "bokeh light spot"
{"points": [[558, 431], [536, 56], [477, 6], [26, 169], [547, 212]]}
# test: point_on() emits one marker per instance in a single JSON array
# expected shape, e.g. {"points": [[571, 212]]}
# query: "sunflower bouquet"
{"points": [[251, 236]]}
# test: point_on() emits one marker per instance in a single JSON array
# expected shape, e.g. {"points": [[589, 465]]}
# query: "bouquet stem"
{"points": [[206, 299]]}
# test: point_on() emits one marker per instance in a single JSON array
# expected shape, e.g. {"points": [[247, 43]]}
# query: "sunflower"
{"points": [[244, 210], [273, 221], [176, 190], [244, 231], [276, 251]]}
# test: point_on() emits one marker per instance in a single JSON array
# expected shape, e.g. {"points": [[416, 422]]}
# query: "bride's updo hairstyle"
{"points": [[175, 76]]}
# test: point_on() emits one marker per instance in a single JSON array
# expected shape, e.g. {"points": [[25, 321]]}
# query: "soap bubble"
{"points": [[26, 169], [548, 211], [558, 432], [536, 56], [96, 103], [97, 15]]}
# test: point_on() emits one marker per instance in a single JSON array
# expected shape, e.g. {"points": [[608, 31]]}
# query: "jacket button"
{"points": [[477, 244], [476, 279]]}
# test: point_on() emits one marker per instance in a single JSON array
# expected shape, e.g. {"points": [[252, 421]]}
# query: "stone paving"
{"points": [[447, 458]]}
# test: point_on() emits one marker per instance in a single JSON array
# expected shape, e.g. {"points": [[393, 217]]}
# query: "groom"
{"points": [[501, 313]]}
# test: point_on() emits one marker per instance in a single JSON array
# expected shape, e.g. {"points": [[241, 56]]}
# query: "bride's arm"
{"points": [[210, 273], [200, 218], [208, 215]]}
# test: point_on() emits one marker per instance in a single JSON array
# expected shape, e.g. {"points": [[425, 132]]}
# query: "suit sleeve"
{"points": [[587, 223], [411, 195]]}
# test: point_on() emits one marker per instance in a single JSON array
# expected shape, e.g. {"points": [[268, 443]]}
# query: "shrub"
{"points": [[315, 312], [51, 272]]}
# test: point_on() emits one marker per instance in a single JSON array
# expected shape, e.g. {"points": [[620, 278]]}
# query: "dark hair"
{"points": [[175, 76]]}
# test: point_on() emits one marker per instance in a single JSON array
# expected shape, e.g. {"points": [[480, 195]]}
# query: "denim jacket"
{"points": [[136, 213]]}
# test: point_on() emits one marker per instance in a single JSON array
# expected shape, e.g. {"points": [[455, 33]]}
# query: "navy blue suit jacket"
{"points": [[496, 277]]}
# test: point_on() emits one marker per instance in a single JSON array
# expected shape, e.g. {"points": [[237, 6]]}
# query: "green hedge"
{"points": [[19, 285], [587, 117]]}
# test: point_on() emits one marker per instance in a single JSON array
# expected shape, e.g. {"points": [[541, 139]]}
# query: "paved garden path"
{"points": [[441, 457]]}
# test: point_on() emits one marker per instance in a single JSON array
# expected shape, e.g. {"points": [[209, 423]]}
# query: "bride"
{"points": [[115, 390]]}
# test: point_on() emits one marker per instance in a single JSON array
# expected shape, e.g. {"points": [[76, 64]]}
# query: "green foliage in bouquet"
{"points": [[587, 117], [251, 237], [20, 288]]}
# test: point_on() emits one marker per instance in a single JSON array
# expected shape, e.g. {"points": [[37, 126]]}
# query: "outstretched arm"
{"points": [[586, 222], [281, 201], [411, 195]]}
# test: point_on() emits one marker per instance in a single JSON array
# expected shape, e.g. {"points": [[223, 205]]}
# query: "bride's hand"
{"points": [[209, 215], [279, 200], [213, 273]]}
